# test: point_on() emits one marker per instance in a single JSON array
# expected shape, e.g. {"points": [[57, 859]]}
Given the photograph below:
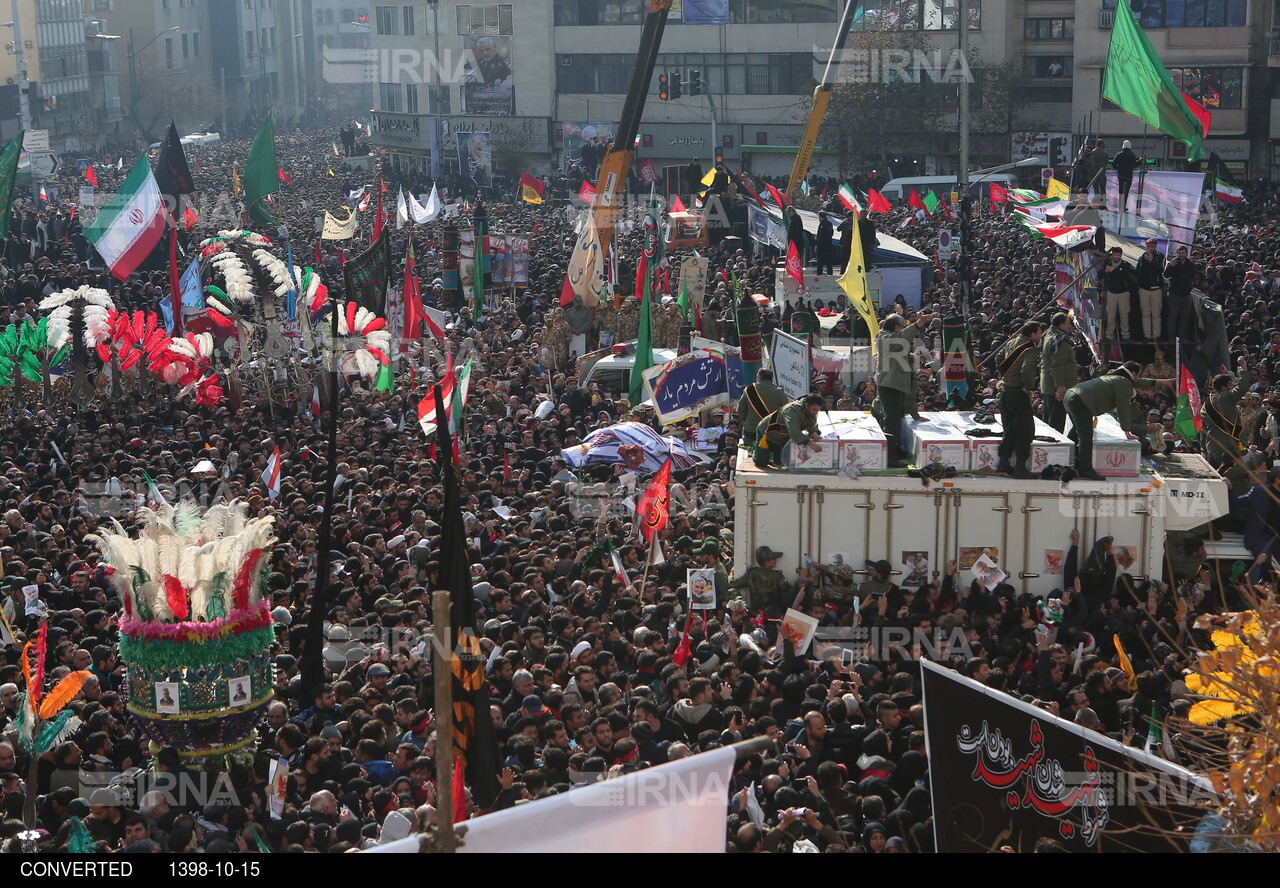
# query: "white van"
{"points": [[613, 372], [900, 189]]}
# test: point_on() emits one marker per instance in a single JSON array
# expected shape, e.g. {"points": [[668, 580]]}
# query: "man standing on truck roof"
{"points": [[758, 400], [1018, 364], [1222, 410], [1110, 392], [894, 377], [796, 422], [1057, 369], [766, 588]]}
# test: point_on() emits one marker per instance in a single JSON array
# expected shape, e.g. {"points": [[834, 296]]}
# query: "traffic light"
{"points": [[676, 91], [695, 82], [664, 88]]}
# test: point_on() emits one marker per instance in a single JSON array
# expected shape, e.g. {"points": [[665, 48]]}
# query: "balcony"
{"points": [[1106, 18]]}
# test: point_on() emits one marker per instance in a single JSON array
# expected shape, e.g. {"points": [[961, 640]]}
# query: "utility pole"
{"points": [[962, 176], [24, 86], [435, 142]]}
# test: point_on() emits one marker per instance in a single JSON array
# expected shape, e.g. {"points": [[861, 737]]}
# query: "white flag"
{"points": [[422, 215], [402, 209], [587, 266], [338, 229]]}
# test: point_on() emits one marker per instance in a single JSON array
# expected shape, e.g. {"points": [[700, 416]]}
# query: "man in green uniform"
{"points": [[796, 422], [1018, 365], [708, 555], [1222, 410], [1112, 392], [895, 378], [758, 400], [765, 587], [871, 590], [1057, 369]]}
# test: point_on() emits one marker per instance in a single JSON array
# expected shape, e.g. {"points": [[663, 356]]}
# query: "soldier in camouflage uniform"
{"points": [[765, 588], [628, 327], [667, 322]]}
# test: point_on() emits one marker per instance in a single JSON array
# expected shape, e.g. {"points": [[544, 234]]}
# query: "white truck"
{"points": [[1024, 526]]}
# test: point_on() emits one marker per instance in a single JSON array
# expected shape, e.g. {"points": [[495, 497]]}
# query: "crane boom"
{"points": [[617, 162], [821, 97]]}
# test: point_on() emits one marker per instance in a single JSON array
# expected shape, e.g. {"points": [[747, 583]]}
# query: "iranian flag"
{"points": [[129, 227], [848, 199], [1187, 419], [271, 475], [1227, 193], [1066, 236], [428, 410], [619, 569]]}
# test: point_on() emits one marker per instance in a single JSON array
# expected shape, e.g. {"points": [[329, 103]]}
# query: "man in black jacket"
{"points": [[1151, 285], [1124, 164], [1182, 275], [1114, 283]]}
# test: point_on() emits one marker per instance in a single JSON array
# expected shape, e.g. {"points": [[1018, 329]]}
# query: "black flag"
{"points": [[173, 176], [474, 745]]}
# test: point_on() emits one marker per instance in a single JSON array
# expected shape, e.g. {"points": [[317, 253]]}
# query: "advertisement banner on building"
{"points": [[1006, 773], [475, 158], [487, 87]]}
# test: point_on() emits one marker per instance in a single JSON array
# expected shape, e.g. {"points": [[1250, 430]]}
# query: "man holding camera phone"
{"points": [[1114, 284], [1182, 274]]}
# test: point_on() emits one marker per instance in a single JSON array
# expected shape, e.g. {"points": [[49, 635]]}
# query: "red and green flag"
{"points": [[847, 198], [1187, 418], [1227, 193], [128, 228]]}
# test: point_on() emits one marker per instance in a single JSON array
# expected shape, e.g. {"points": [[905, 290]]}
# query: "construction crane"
{"points": [[821, 97], [615, 167]]}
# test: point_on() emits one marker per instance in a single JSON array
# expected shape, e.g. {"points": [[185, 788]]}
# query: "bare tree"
{"points": [[189, 96]]}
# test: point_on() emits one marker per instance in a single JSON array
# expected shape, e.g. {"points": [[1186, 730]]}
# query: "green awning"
{"points": [[781, 149]]}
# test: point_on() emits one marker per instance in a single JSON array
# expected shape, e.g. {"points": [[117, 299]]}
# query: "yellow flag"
{"points": [[1057, 188], [854, 284], [710, 177], [1126, 665], [235, 182], [330, 172]]}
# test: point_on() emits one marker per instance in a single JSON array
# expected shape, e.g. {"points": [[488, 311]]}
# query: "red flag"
{"points": [[537, 228], [412, 296], [566, 293], [681, 654], [998, 193], [459, 792], [877, 202], [587, 193], [377, 217], [677, 205], [655, 504], [175, 281], [319, 259], [642, 272], [91, 176], [283, 176], [742, 180], [1200, 111], [916, 201], [778, 196], [506, 466], [189, 217], [315, 401], [794, 267]]}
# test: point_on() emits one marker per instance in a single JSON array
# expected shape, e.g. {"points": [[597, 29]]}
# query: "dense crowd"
{"points": [[584, 684]]}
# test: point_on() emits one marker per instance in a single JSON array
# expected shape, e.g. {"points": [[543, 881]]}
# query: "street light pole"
{"points": [[435, 141], [24, 88], [966, 199]]}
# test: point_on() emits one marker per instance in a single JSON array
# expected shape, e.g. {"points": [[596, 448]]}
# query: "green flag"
{"points": [[386, 380], [931, 202], [685, 303], [644, 346], [1137, 81], [8, 172], [261, 174]]}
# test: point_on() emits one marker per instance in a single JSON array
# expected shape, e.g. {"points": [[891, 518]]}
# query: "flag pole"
{"points": [[312, 667], [446, 840], [648, 563]]}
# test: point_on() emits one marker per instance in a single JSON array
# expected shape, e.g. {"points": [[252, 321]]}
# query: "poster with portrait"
{"points": [[915, 568], [798, 628], [167, 697], [1053, 562], [702, 588], [838, 559], [486, 84], [970, 554], [239, 690], [988, 573], [475, 158]]}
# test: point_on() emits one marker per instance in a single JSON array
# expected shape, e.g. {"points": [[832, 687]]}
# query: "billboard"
{"points": [[475, 158], [573, 135], [486, 86]]}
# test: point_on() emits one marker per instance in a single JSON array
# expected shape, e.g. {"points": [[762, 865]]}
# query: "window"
{"points": [[168, 52], [1048, 66], [408, 21], [438, 100], [1215, 88], [728, 73], [389, 96], [387, 23], [1050, 29], [411, 98], [485, 21], [348, 16], [319, 16], [186, 46], [248, 42], [195, 44], [916, 15], [1187, 13]]}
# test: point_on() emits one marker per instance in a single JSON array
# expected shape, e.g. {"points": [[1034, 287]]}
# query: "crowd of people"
{"points": [[584, 684]]}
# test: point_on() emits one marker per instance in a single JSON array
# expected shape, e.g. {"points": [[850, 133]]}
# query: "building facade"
{"points": [[63, 102]]}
